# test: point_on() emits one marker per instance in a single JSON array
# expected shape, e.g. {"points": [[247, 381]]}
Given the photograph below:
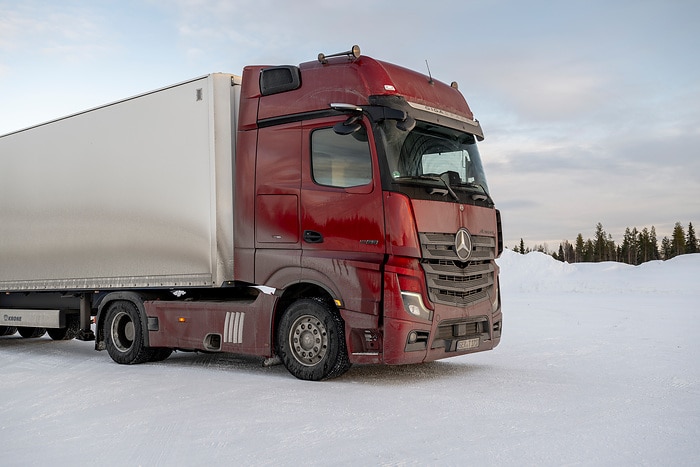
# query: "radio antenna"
{"points": [[430, 80]]}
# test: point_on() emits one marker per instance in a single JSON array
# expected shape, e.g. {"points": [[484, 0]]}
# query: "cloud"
{"points": [[544, 89], [51, 30]]}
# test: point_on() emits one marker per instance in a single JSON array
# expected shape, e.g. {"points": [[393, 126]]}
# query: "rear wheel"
{"points": [[31, 333], [7, 330], [69, 332], [311, 341], [124, 334]]}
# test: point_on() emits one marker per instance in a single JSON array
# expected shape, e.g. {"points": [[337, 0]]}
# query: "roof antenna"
{"points": [[429, 75]]}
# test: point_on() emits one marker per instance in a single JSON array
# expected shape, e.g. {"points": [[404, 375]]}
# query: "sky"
{"points": [[591, 109]]}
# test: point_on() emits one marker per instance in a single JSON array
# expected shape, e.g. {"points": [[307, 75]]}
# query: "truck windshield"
{"points": [[432, 155]]}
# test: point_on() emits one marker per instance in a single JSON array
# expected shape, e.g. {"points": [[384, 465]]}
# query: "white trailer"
{"points": [[158, 171], [137, 193]]}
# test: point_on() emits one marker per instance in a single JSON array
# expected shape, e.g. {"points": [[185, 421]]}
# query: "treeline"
{"points": [[637, 247]]}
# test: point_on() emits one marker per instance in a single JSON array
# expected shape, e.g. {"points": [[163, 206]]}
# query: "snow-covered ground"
{"points": [[599, 364]]}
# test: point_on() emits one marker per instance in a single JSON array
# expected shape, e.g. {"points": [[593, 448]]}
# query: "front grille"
{"points": [[451, 281]]}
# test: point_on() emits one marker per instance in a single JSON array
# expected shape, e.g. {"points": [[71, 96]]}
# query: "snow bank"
{"points": [[539, 273]]}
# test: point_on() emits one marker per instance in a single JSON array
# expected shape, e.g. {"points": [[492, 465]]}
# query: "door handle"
{"points": [[311, 236]]}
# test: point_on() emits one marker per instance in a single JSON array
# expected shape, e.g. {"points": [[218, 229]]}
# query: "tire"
{"points": [[158, 354], [69, 332], [311, 341], [124, 334], [7, 330], [31, 333]]}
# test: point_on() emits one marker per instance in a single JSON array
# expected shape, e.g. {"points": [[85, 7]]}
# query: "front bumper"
{"points": [[453, 332]]}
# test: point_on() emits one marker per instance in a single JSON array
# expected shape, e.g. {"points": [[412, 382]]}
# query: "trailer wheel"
{"points": [[311, 341], [69, 332], [124, 334], [31, 333], [7, 330]]}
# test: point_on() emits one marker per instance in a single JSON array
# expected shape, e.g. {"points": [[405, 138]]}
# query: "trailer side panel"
{"points": [[123, 195]]}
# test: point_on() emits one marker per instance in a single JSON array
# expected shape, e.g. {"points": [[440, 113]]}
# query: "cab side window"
{"points": [[340, 160]]}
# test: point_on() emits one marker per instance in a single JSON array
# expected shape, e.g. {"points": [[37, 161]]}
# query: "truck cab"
{"points": [[369, 195]]}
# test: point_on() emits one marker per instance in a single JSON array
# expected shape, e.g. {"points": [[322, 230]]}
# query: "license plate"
{"points": [[467, 344]]}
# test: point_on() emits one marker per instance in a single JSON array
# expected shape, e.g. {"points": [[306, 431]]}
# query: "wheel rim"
{"points": [[122, 332], [308, 339]]}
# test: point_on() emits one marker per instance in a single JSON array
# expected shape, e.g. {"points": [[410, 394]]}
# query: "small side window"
{"points": [[340, 160]]}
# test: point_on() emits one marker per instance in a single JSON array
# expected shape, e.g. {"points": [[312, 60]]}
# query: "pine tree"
{"points": [[654, 244], [677, 240], [644, 248], [630, 246], [610, 249], [588, 251], [691, 241], [566, 252], [522, 247], [560, 256], [666, 248], [578, 249], [635, 247], [599, 244], [638, 247]]}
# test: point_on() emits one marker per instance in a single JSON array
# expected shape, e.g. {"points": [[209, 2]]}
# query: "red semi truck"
{"points": [[325, 214]]}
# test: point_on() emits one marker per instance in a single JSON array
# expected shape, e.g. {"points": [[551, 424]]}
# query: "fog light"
{"points": [[417, 341]]}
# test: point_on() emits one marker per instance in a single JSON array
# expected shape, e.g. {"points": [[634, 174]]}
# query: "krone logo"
{"points": [[463, 244]]}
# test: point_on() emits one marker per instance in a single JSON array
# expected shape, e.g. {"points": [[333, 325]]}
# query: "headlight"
{"points": [[414, 306]]}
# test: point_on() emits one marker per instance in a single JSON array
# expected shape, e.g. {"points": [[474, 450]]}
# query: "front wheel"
{"points": [[311, 341], [159, 354]]}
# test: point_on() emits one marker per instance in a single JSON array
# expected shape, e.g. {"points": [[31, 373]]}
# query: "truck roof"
{"points": [[353, 81]]}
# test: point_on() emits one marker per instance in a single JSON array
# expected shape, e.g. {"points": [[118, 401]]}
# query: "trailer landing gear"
{"points": [[85, 332]]}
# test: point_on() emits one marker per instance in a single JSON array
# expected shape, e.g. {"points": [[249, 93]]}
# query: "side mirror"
{"points": [[407, 124], [349, 126]]}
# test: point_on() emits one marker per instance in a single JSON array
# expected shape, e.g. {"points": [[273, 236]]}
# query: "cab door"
{"points": [[277, 188], [342, 215]]}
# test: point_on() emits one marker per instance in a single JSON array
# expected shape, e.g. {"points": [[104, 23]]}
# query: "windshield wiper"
{"points": [[432, 178], [445, 178], [405, 178]]}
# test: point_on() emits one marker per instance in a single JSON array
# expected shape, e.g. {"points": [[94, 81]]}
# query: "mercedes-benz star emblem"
{"points": [[463, 244]]}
